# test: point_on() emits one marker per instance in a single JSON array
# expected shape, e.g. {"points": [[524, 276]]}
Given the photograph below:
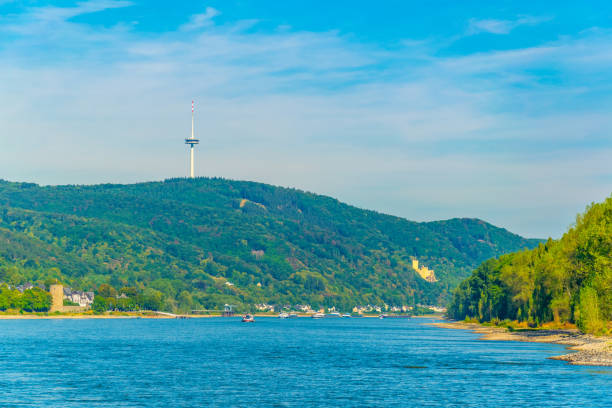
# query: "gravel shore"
{"points": [[587, 349]]}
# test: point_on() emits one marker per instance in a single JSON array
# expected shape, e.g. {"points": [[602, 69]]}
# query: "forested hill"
{"points": [[569, 280], [204, 242]]}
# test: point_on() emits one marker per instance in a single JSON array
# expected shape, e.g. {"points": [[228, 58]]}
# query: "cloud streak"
{"points": [[201, 20], [501, 27]]}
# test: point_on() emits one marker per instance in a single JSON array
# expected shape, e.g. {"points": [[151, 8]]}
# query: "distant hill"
{"points": [[569, 280], [205, 242]]}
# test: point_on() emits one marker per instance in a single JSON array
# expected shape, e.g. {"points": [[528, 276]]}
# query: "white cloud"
{"points": [[494, 26], [201, 20], [48, 20], [53, 13]]}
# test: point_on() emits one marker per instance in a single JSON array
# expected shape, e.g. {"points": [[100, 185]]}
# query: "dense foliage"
{"points": [[200, 243], [126, 299], [31, 300], [569, 280]]}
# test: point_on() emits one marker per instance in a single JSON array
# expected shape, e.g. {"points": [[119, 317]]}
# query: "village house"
{"points": [[83, 299], [25, 286], [303, 308], [264, 307]]}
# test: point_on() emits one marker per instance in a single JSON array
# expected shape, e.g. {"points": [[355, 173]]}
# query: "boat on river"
{"points": [[248, 318], [318, 316]]}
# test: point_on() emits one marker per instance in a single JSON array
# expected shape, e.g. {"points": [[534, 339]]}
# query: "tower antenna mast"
{"points": [[191, 141]]}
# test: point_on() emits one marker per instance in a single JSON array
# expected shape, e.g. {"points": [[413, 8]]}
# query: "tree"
{"points": [[35, 300], [126, 304], [99, 304], [589, 320], [129, 291], [151, 299], [7, 297], [185, 301], [314, 284], [107, 291]]}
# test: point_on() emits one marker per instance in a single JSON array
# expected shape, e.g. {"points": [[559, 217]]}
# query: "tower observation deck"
{"points": [[191, 141]]}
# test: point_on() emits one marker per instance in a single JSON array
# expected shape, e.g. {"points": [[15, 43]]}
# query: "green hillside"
{"points": [[185, 238], [569, 280]]}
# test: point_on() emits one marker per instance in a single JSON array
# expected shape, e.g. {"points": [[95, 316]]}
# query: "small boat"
{"points": [[248, 318], [293, 315], [318, 316], [333, 314], [347, 315], [283, 315]]}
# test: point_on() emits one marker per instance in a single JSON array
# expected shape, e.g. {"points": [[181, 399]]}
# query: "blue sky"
{"points": [[499, 110]]}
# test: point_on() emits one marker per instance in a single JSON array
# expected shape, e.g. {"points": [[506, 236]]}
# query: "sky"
{"points": [[498, 110]]}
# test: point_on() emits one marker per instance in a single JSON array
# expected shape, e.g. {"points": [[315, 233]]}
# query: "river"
{"points": [[221, 362]]}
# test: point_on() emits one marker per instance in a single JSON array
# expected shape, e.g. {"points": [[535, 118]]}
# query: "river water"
{"points": [[282, 363]]}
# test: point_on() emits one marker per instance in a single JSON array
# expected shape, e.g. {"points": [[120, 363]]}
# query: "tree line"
{"points": [[568, 280], [126, 299]]}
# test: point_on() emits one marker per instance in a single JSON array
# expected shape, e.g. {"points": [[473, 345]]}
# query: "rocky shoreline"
{"points": [[587, 349]]}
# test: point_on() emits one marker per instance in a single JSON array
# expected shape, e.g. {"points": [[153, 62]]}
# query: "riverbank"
{"points": [[587, 349], [153, 315], [117, 315], [132, 315]]}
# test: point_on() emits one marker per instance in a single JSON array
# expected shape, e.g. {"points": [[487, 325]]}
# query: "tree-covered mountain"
{"points": [[569, 280], [204, 242]]}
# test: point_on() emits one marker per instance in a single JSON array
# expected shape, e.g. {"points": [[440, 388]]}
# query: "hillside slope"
{"points": [[569, 280], [189, 239]]}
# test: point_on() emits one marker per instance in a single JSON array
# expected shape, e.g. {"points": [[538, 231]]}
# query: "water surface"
{"points": [[281, 363]]}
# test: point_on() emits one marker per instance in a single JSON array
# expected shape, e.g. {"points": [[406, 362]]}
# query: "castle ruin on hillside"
{"points": [[423, 271]]}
